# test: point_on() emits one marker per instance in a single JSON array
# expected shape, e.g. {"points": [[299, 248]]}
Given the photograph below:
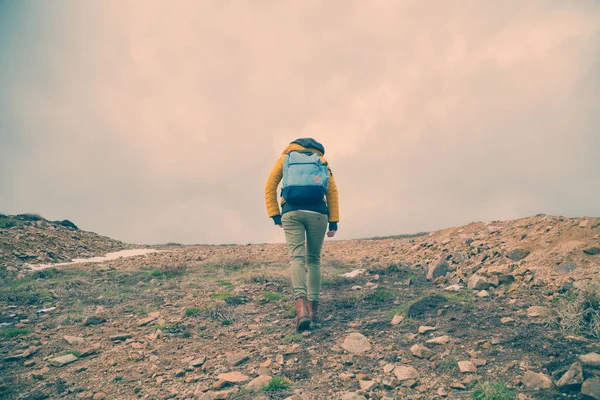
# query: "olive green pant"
{"points": [[304, 234]]}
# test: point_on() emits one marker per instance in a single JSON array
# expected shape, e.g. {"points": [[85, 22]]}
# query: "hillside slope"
{"points": [[31, 239], [500, 310]]}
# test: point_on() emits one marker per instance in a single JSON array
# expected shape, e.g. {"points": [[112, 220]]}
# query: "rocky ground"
{"points": [[501, 310], [32, 239]]}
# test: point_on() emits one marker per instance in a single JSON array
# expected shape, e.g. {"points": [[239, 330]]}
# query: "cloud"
{"points": [[153, 123]]}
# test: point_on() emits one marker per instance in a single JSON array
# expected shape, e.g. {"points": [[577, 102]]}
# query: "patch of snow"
{"points": [[107, 257], [353, 274]]}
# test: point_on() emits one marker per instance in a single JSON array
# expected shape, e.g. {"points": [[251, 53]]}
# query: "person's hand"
{"points": [[331, 233]]}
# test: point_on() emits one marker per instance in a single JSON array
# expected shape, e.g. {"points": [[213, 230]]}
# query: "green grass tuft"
{"points": [[293, 338], [270, 296], [190, 312], [492, 391], [220, 296], [10, 333], [277, 384]]}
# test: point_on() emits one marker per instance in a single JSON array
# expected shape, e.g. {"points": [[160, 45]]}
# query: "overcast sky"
{"points": [[157, 121]]}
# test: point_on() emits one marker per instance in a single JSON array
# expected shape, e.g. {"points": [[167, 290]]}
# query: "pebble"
{"points": [[356, 343]]}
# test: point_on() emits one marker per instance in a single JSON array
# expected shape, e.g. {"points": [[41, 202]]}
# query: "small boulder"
{"points": [[467, 366], [539, 311], [74, 340], [591, 388], [94, 320], [534, 381], [421, 351], [590, 360], [404, 373], [356, 343], [233, 377], [592, 251], [259, 382], [572, 379], [518, 254], [478, 282], [566, 267], [62, 360], [236, 359], [437, 270], [440, 340]]}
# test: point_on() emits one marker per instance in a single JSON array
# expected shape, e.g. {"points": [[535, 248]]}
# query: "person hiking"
{"points": [[309, 200]]}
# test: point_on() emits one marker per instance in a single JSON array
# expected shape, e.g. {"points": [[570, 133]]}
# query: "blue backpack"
{"points": [[305, 178]]}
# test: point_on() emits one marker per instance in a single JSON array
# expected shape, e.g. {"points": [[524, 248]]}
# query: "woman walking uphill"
{"points": [[309, 200]]}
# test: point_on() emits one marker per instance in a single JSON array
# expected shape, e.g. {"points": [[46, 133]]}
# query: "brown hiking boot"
{"points": [[302, 319], [313, 310]]}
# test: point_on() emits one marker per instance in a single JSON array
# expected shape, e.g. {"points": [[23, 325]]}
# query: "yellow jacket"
{"points": [[331, 197]]}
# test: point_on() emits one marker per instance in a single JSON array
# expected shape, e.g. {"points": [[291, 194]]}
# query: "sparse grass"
{"points": [[156, 273], [74, 352], [293, 338], [348, 301], [225, 283], [277, 384], [492, 391], [447, 364], [270, 296], [172, 327], [173, 270], [400, 310], [9, 333], [579, 313], [192, 311], [220, 296], [226, 322], [380, 296], [117, 378]]}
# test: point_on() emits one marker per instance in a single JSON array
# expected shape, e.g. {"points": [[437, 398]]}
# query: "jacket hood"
{"points": [[307, 143]]}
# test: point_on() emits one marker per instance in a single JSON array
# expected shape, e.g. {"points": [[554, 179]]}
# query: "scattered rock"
{"points": [[590, 360], [74, 340], [356, 343], [478, 282], [539, 311], [233, 377], [592, 251], [437, 270], [506, 320], [573, 378], [467, 366], [94, 320], [198, 362], [518, 254], [146, 321], [483, 293], [21, 356], [397, 319], [418, 350], [62, 360], [440, 340], [404, 373], [534, 381], [259, 382], [566, 267], [591, 388], [236, 359], [367, 385], [120, 337], [424, 329]]}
